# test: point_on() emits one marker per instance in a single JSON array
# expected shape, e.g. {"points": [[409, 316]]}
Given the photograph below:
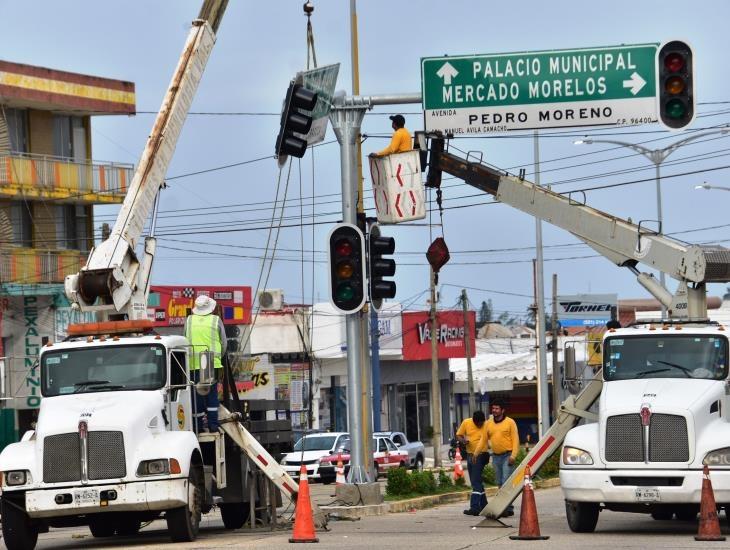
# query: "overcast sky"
{"points": [[261, 46]]}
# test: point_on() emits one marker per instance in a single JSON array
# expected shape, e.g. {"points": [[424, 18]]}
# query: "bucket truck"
{"points": [[663, 389], [115, 443]]}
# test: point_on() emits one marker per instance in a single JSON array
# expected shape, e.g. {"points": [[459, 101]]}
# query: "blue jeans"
{"points": [[502, 471], [206, 405], [475, 466]]}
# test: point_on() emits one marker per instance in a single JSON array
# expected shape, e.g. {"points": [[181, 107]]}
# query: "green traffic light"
{"points": [[675, 109], [345, 292]]}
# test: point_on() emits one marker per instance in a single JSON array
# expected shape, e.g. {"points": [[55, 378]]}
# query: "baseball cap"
{"points": [[398, 119]]}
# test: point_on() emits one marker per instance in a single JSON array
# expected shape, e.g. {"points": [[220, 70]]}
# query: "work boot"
{"points": [[471, 512]]}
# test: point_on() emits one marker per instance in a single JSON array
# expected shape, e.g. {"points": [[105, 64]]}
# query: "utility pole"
{"points": [[467, 347], [346, 118], [435, 384], [543, 405], [557, 379]]}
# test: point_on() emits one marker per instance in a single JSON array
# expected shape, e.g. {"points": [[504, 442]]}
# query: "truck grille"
{"points": [[668, 439], [106, 455], [62, 457]]}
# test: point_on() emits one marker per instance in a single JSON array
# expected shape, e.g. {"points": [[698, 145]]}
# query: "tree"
{"points": [[486, 312]]}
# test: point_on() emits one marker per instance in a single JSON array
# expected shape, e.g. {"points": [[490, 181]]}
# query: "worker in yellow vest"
{"points": [[206, 332], [401, 140]]}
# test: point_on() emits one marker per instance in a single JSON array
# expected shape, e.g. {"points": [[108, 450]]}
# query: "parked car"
{"points": [[416, 450], [311, 449], [386, 455]]}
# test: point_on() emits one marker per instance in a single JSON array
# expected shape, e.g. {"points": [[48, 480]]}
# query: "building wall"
{"points": [[44, 224]]}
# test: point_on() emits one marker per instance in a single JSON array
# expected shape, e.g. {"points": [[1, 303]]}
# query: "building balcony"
{"points": [[28, 266], [47, 177]]}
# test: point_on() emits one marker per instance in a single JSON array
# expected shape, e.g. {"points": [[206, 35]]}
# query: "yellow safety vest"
{"points": [[202, 331]]}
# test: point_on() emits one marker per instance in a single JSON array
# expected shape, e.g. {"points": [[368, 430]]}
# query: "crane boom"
{"points": [[114, 281], [621, 241]]}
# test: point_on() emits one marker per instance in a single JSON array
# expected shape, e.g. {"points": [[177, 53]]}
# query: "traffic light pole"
{"points": [[346, 117]]}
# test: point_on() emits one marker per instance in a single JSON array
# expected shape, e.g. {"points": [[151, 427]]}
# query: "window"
{"points": [[391, 445], [398, 439], [71, 227], [17, 123], [107, 368], [381, 445], [22, 223], [69, 137]]}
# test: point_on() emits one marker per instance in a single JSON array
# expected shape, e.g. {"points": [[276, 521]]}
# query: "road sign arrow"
{"points": [[636, 83], [447, 72]]}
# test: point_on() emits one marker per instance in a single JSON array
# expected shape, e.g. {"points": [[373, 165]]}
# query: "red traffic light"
{"points": [[343, 247], [676, 101], [674, 62]]}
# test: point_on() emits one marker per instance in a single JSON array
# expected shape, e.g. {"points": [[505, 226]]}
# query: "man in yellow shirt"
{"points": [[473, 434], [505, 442], [401, 140]]}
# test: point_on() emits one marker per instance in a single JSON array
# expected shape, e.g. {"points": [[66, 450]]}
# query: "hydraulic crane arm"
{"points": [[624, 243], [114, 281]]}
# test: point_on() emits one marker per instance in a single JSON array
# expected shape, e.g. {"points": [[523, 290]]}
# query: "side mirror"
{"points": [[571, 371]]}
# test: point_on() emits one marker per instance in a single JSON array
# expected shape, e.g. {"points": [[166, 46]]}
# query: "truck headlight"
{"points": [[718, 457], [157, 467], [14, 478], [576, 457]]}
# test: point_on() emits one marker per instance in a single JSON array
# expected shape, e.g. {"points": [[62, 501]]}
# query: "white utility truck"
{"points": [[664, 407], [115, 444]]}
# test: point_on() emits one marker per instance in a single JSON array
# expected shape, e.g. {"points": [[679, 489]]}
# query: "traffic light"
{"points": [[676, 85], [379, 267], [347, 267], [294, 121]]}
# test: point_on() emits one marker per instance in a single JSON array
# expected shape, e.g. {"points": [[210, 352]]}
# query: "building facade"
{"points": [[49, 185]]}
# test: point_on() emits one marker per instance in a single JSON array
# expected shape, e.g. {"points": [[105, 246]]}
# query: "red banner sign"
{"points": [[450, 337], [169, 305]]}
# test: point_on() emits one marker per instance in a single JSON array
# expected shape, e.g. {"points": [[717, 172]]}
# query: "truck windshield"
{"points": [[315, 443], [662, 356], [107, 368]]}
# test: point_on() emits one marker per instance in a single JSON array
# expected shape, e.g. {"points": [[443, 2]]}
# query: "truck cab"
{"points": [[663, 415], [113, 445]]}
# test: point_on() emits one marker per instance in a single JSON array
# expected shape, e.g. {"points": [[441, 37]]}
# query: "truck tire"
{"points": [[102, 527], [418, 464], [19, 533], [183, 523], [582, 516], [126, 527], [234, 514]]}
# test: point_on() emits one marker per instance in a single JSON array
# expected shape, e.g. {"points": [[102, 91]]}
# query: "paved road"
{"points": [[444, 527]]}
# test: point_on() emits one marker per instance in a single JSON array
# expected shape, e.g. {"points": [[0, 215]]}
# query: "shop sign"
{"points": [[450, 336], [168, 306]]}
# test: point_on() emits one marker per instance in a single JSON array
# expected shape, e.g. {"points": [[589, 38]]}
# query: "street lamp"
{"points": [[657, 157], [708, 187]]}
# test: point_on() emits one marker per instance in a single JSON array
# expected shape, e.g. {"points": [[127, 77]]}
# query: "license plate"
{"points": [[647, 494], [86, 496]]}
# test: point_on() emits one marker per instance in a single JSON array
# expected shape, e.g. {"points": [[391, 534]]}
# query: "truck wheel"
{"points": [[234, 514], [582, 516], [101, 527], [183, 523], [127, 527], [418, 466], [19, 533]]}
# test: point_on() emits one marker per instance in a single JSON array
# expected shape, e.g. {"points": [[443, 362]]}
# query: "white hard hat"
{"points": [[204, 305]]}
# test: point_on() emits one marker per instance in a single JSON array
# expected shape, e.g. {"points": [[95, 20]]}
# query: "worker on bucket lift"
{"points": [[401, 140], [206, 333]]}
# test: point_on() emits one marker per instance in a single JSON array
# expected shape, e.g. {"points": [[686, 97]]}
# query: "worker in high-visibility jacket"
{"points": [[401, 140], [206, 333]]}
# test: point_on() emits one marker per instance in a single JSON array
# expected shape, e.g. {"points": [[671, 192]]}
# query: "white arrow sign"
{"points": [[636, 83], [447, 72]]}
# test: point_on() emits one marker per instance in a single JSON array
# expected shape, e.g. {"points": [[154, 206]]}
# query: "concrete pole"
{"points": [[543, 411], [346, 120], [435, 384], [467, 348]]}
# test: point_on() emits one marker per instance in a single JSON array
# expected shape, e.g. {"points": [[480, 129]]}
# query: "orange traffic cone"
{"points": [[529, 527], [458, 470], [340, 477], [709, 524], [303, 517]]}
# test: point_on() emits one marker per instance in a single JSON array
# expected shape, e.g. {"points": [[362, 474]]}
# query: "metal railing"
{"points": [[49, 173], [32, 266]]}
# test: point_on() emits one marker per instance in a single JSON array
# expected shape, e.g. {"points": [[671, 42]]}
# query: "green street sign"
{"points": [[546, 89], [321, 80]]}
